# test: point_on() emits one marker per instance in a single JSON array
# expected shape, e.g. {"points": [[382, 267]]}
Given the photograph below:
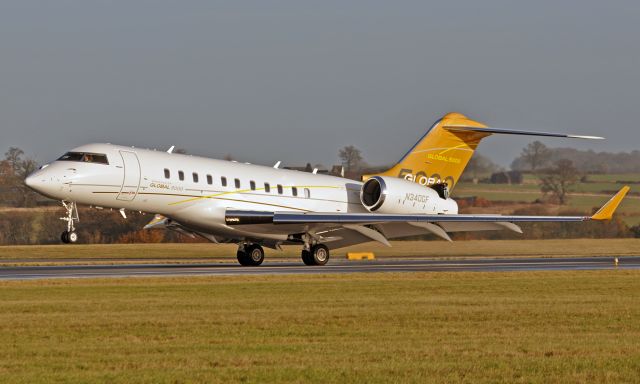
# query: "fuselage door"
{"points": [[131, 180]]}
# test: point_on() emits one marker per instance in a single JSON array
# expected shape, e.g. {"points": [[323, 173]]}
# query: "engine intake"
{"points": [[373, 193]]}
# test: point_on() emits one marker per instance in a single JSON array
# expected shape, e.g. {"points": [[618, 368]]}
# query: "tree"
{"points": [[535, 155], [13, 157], [558, 179], [351, 158], [478, 165], [13, 170]]}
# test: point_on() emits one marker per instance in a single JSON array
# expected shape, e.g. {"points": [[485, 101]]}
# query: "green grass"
{"points": [[583, 196], [551, 327], [205, 252], [615, 177]]}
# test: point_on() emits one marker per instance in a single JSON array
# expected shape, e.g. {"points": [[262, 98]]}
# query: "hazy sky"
{"points": [[296, 80]]}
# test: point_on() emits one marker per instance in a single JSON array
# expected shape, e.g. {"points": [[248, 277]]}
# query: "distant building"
{"points": [[510, 177], [306, 168], [336, 170]]}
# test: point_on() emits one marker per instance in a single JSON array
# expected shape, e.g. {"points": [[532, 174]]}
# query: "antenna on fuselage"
{"points": [[277, 165], [170, 150], [315, 171]]}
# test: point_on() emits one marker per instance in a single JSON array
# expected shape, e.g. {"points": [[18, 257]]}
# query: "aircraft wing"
{"points": [[380, 227]]}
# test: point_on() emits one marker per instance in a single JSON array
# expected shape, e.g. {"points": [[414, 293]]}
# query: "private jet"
{"points": [[261, 206]]}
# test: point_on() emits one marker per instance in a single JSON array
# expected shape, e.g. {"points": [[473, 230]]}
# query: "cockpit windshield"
{"points": [[85, 157]]}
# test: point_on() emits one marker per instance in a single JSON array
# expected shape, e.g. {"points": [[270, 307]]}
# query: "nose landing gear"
{"points": [[70, 235]]}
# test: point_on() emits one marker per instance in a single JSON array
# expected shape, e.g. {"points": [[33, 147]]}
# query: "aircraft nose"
{"points": [[34, 182]]}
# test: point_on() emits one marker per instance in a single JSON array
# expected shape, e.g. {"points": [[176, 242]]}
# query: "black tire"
{"points": [[255, 254], [306, 257], [319, 254], [64, 237], [243, 258]]}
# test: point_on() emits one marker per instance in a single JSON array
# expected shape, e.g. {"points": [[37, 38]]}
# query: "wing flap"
{"points": [[375, 218]]}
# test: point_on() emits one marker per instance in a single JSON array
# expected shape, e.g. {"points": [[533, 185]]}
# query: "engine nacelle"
{"points": [[391, 195]]}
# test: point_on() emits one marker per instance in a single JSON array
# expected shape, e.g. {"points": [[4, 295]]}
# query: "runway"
{"points": [[335, 266]]}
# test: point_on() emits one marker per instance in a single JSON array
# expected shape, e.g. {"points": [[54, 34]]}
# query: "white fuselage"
{"points": [[192, 190]]}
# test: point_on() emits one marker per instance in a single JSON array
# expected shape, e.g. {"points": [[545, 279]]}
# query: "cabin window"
{"points": [[307, 193], [209, 179], [167, 174], [195, 177], [267, 187], [223, 180], [180, 175], [237, 182], [294, 191], [279, 189], [252, 184]]}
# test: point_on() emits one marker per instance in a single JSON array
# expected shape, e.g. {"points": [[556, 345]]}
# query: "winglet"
{"points": [[606, 212]]}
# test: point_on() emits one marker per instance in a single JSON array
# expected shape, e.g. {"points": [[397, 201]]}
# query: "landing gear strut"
{"points": [[70, 235], [317, 254], [250, 254]]}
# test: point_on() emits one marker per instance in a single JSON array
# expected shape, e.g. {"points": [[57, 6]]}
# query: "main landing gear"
{"points": [[250, 254], [317, 254], [70, 235]]}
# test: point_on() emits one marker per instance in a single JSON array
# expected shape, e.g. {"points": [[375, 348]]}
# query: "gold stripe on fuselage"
{"points": [[241, 191]]}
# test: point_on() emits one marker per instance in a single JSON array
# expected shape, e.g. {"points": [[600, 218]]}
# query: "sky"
{"points": [[297, 80]]}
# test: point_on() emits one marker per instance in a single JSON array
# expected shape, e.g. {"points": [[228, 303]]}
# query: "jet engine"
{"points": [[392, 195]]}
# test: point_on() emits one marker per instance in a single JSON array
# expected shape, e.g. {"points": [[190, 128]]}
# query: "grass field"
{"points": [[159, 253], [584, 196], [527, 327]]}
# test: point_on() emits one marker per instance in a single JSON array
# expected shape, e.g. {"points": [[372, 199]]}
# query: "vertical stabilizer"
{"points": [[441, 155]]}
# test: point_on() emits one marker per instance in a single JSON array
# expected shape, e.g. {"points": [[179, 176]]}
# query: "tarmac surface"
{"points": [[334, 266]]}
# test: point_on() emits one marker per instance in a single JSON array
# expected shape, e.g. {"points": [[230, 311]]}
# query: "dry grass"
{"points": [[185, 253], [551, 327]]}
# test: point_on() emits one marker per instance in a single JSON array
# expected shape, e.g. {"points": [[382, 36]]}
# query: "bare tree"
{"points": [[351, 158], [478, 165], [14, 169], [558, 179], [13, 157], [536, 155]]}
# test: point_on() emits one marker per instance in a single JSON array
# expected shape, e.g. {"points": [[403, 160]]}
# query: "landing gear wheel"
{"points": [[306, 257], [255, 254], [243, 259], [70, 235], [319, 254], [73, 237], [251, 255]]}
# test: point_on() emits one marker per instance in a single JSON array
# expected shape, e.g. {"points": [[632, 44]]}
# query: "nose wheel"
{"points": [[70, 236]]}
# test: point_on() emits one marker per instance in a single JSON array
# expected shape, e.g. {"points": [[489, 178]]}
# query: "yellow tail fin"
{"points": [[441, 154]]}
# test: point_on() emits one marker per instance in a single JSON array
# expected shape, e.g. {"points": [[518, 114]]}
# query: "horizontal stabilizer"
{"points": [[456, 128]]}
